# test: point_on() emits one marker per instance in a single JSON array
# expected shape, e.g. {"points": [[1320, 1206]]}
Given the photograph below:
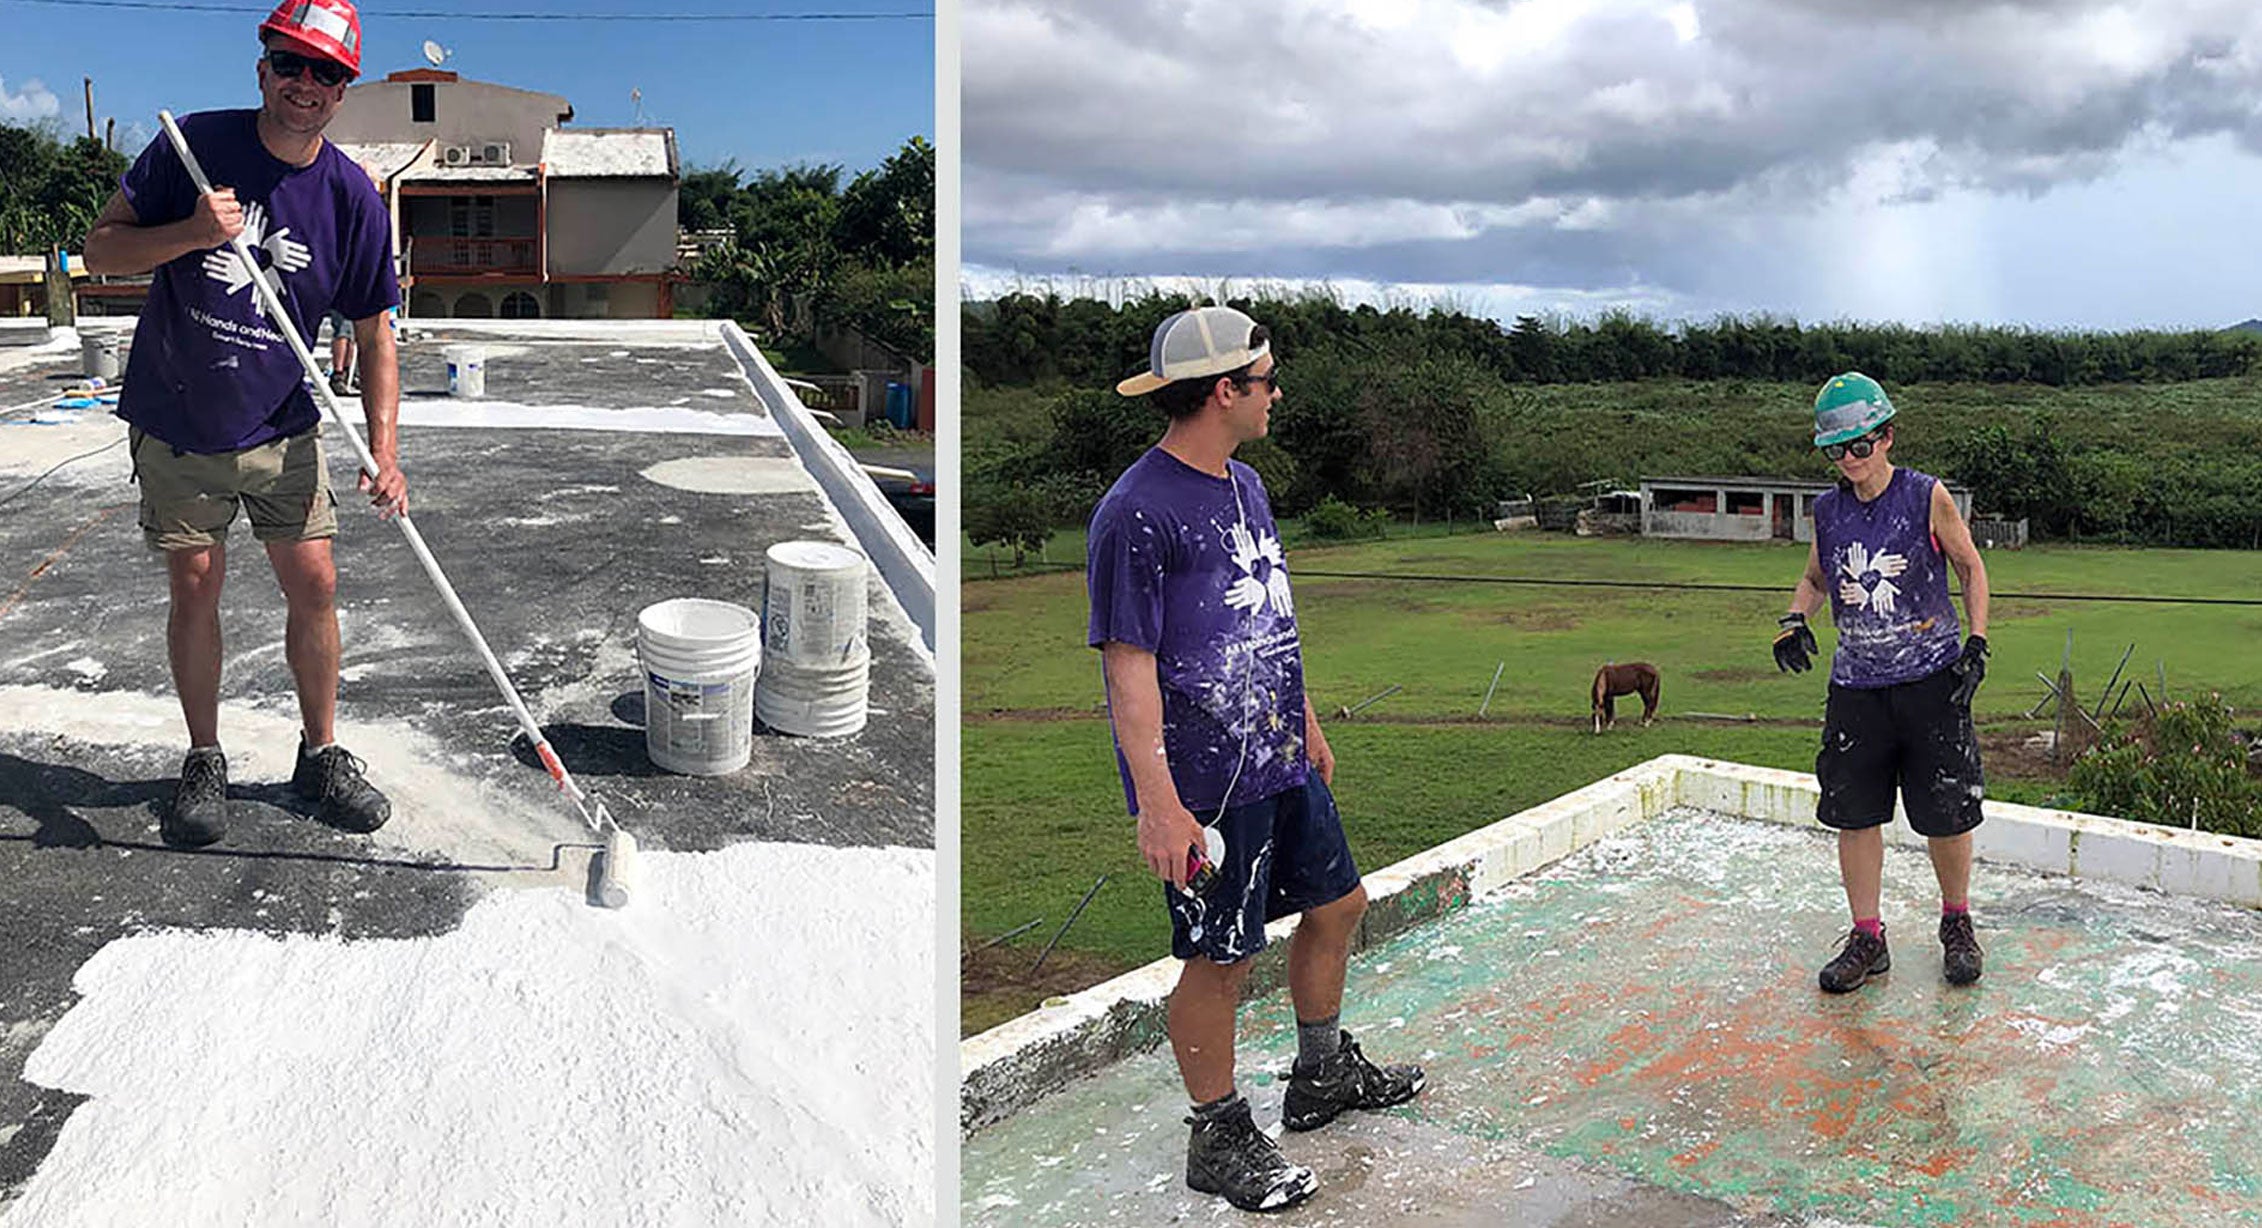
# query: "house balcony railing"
{"points": [[437, 255]]}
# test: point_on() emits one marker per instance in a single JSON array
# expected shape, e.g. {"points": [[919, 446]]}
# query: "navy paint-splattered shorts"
{"points": [[1913, 737], [1284, 854]]}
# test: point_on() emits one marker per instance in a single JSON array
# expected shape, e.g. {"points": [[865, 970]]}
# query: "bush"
{"points": [[1334, 520], [2181, 768]]}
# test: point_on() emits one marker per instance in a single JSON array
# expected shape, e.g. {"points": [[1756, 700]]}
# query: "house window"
{"points": [[471, 217], [1747, 503], [474, 306], [1681, 500], [519, 305], [597, 295], [422, 104]]}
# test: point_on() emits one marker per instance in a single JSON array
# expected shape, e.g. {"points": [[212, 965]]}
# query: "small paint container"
{"points": [[1202, 863]]}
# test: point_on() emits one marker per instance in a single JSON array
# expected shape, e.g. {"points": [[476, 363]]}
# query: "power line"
{"points": [[171, 6]]}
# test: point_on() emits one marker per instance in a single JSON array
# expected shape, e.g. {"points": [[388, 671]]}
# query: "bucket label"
{"points": [[696, 718]]}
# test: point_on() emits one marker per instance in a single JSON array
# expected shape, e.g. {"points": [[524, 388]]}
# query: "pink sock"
{"points": [[1872, 926], [1954, 910]]}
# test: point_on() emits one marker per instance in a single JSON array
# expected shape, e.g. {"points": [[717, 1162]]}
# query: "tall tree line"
{"points": [[809, 244], [51, 189], [1024, 339]]}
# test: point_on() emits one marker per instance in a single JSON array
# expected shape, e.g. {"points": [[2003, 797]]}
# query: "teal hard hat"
{"points": [[1849, 407]]}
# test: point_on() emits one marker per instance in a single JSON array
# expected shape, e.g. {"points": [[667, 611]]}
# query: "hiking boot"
{"points": [[343, 798], [342, 384], [199, 813], [1859, 958], [1959, 949], [1345, 1080], [1228, 1155]]}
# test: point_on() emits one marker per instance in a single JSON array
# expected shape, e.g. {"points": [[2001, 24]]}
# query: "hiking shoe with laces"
{"points": [[1345, 1080], [1859, 958], [1228, 1155], [199, 813], [1959, 949], [343, 798]]}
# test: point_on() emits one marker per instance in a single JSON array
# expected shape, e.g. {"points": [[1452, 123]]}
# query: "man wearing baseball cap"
{"points": [[1221, 755], [1898, 717], [221, 414]]}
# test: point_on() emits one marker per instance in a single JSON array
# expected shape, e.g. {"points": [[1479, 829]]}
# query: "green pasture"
{"points": [[1042, 809]]}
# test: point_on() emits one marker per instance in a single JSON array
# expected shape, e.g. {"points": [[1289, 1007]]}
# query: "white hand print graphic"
{"points": [[289, 255], [1276, 581], [1857, 566], [286, 253]]}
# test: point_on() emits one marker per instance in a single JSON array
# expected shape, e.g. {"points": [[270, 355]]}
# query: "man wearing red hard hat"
{"points": [[221, 414]]}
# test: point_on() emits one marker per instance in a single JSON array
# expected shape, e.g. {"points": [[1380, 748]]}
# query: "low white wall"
{"points": [[1017, 1062]]}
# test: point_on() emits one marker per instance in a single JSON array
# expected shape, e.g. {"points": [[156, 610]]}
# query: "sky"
{"points": [[761, 93], [2046, 163]]}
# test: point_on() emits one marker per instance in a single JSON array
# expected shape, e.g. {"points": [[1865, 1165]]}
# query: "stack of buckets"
{"points": [[819, 674], [700, 661]]}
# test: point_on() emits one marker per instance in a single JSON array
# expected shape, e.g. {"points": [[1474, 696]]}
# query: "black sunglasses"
{"points": [[1270, 379], [1861, 448], [289, 64]]}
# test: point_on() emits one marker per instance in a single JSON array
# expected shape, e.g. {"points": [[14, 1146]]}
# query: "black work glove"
{"points": [[1794, 644], [1969, 669]]}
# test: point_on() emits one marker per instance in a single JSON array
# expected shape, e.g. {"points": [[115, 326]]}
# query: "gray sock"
{"points": [[1318, 1040], [1219, 1107]]}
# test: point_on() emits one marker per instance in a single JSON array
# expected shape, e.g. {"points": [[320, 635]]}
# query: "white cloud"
{"points": [[1584, 144], [35, 101]]}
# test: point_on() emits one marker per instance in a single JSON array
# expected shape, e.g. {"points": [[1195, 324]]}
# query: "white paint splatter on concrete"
{"points": [[751, 1042], [89, 670], [734, 475], [643, 419], [725, 393]]}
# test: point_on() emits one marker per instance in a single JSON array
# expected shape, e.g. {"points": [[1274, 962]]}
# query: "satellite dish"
{"points": [[434, 53]]}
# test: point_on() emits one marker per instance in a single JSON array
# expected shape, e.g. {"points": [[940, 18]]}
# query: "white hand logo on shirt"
{"points": [[284, 253], [1276, 582], [1857, 564], [1246, 594]]}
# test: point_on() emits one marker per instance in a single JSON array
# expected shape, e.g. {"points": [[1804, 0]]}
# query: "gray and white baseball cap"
{"points": [[1192, 344]]}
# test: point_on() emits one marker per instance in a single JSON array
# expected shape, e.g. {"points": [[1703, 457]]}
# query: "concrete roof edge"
{"points": [[904, 562]]}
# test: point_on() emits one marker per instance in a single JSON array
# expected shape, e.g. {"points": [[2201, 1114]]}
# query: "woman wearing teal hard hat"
{"points": [[1898, 716]]}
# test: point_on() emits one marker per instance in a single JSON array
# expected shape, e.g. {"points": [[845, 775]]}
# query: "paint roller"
{"points": [[617, 863]]}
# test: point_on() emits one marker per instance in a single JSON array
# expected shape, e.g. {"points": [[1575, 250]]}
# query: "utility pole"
{"points": [[89, 107]]}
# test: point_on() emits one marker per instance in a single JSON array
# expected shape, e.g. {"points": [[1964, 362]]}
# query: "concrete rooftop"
{"points": [[1633, 1036], [610, 467]]}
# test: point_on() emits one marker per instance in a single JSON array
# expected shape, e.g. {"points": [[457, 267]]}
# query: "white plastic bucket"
{"points": [[826, 705], [98, 353], [701, 660], [467, 370], [814, 609]]}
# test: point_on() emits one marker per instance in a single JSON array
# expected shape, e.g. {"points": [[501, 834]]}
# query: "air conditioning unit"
{"points": [[495, 153], [455, 155]]}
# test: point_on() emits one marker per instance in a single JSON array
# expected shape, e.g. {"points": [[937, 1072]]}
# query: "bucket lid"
{"points": [[814, 556]]}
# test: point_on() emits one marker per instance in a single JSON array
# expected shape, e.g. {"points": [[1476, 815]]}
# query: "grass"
{"points": [[1042, 809]]}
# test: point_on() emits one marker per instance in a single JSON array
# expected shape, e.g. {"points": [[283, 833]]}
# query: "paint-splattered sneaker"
{"points": [[1859, 958], [1228, 1155], [199, 813], [343, 798], [1345, 1080], [1959, 949]]}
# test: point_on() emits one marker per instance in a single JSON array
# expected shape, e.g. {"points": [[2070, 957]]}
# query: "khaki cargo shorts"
{"points": [[188, 500]]}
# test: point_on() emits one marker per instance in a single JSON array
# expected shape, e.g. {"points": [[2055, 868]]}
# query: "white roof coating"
{"points": [[382, 157], [472, 174], [593, 153], [556, 1063]]}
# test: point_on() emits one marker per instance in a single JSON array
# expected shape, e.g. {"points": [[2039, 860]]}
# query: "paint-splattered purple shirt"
{"points": [[1888, 584], [209, 372], [1188, 566]]}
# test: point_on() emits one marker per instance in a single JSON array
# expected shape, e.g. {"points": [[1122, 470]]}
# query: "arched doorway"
{"points": [[424, 304], [519, 305], [474, 306]]}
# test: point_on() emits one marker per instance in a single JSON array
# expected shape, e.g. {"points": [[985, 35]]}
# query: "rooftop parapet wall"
{"points": [[1022, 1060]]}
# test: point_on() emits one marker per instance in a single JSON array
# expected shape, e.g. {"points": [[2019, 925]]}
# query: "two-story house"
{"points": [[499, 210]]}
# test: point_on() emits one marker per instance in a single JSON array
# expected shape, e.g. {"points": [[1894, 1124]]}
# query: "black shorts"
{"points": [[1912, 736], [1284, 854]]}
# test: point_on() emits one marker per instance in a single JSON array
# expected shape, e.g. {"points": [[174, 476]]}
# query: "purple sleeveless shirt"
{"points": [[1888, 584]]}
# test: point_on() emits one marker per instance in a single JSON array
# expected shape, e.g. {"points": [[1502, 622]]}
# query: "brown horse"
{"points": [[1637, 678]]}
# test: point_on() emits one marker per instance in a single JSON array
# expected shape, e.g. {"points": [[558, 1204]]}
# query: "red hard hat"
{"points": [[330, 28]]}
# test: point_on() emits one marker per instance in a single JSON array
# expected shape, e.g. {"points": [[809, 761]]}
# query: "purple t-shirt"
{"points": [[1188, 566], [1888, 584], [208, 372]]}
